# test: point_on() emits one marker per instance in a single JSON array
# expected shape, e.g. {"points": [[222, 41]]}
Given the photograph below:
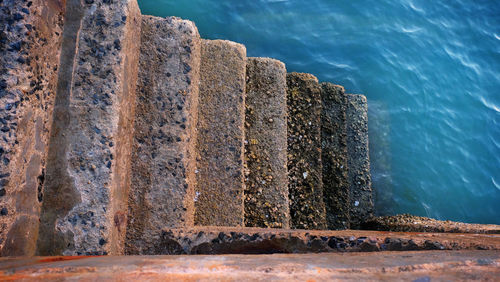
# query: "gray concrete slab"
{"points": [[305, 183], [220, 176], [163, 158], [361, 202], [334, 155], [266, 193], [85, 193], [30, 41]]}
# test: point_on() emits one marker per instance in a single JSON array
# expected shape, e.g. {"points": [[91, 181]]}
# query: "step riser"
{"points": [[266, 194], [220, 176], [29, 82], [307, 208], [361, 203], [334, 156], [214, 241], [84, 209], [163, 157]]}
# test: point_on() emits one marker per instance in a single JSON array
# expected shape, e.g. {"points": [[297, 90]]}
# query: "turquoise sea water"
{"points": [[430, 70]]}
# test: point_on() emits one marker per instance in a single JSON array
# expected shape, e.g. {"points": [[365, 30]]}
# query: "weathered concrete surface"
{"points": [[305, 185], [411, 223], [163, 178], [87, 176], [30, 40], [232, 240], [220, 176], [361, 203], [266, 192], [334, 155], [394, 266]]}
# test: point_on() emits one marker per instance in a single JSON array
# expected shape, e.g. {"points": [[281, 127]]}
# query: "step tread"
{"points": [[162, 185], [307, 208], [85, 200], [220, 176], [358, 160], [266, 193], [334, 155]]}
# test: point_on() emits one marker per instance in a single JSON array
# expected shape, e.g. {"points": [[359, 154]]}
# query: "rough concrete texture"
{"points": [[394, 266], [411, 223], [361, 204], [220, 181], [266, 191], [334, 155], [232, 240], [162, 185], [87, 176], [30, 39], [307, 208]]}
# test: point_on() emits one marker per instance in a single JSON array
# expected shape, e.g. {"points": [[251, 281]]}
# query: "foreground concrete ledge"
{"points": [[408, 266], [227, 240]]}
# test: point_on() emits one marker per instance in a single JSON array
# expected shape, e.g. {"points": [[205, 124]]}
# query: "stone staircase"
{"points": [[150, 129]]}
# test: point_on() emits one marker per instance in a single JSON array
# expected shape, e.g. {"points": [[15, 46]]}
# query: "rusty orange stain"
{"points": [[61, 258], [213, 267]]}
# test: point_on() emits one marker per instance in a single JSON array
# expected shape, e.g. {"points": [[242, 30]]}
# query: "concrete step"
{"points": [[84, 206], [163, 157], [220, 172], [231, 240], [387, 266], [361, 203], [307, 208], [29, 61], [334, 155], [266, 193]]}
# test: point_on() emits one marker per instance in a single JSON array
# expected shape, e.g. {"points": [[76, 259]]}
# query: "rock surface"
{"points": [[361, 203], [219, 175], [334, 156], [233, 240], [411, 223], [87, 177], [266, 193], [30, 40], [305, 185], [163, 179]]}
